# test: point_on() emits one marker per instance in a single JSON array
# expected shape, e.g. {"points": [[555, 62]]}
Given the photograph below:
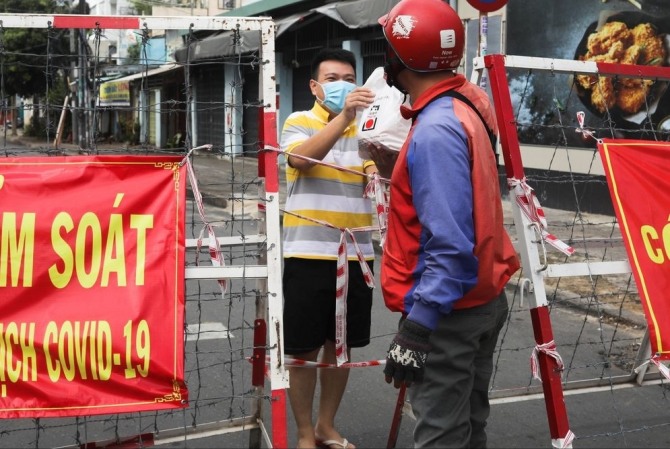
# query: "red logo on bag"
{"points": [[370, 124]]}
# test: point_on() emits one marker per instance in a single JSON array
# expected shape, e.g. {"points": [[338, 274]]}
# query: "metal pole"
{"points": [[81, 98], [73, 98]]}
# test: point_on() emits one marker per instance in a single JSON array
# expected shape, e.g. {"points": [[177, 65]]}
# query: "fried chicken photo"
{"points": [[616, 43], [653, 50], [603, 96], [631, 99], [600, 42]]}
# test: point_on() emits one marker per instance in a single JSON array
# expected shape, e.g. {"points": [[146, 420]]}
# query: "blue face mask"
{"points": [[335, 92]]}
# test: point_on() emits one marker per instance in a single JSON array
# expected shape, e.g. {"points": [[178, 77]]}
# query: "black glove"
{"points": [[406, 357]]}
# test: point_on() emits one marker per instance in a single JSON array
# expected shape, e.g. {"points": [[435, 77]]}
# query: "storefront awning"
{"points": [[222, 44], [357, 13], [351, 13], [283, 24], [149, 73]]}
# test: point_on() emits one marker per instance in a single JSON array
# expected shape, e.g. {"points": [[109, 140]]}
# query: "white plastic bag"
{"points": [[381, 122]]}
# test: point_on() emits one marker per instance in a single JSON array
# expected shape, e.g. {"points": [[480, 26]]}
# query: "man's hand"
{"points": [[406, 357], [359, 98], [383, 158]]}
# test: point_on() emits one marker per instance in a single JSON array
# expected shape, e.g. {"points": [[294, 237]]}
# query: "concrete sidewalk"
{"points": [[224, 178]]}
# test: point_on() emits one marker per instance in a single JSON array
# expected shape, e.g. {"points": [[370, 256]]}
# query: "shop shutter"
{"points": [[209, 106]]}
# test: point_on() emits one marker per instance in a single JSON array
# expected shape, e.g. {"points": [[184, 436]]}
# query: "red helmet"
{"points": [[427, 35]]}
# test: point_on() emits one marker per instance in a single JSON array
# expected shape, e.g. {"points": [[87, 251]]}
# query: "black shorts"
{"points": [[309, 305]]}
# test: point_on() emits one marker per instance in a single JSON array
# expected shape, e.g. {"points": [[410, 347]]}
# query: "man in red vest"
{"points": [[447, 256]]}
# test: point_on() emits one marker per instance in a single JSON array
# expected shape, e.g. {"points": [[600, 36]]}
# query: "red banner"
{"points": [[637, 174], [91, 285]]}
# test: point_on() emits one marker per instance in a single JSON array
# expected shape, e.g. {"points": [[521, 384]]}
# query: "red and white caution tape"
{"points": [[214, 252], [342, 280], [342, 287], [290, 361], [341, 290], [550, 350], [530, 206], [297, 362], [319, 162], [567, 440], [377, 190], [586, 133], [664, 370]]}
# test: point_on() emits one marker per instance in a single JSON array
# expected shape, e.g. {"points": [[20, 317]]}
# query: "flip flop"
{"points": [[338, 444]]}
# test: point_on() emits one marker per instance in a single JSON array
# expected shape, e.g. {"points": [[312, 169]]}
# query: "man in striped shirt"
{"points": [[321, 201]]}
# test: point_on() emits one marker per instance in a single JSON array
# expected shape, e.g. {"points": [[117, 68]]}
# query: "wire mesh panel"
{"points": [[586, 318], [201, 88]]}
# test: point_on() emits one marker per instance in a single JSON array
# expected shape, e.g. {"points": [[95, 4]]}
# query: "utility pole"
{"points": [[73, 98], [81, 92], [81, 111]]}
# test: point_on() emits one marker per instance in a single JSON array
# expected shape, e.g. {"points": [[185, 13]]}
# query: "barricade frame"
{"points": [[269, 304], [531, 244]]}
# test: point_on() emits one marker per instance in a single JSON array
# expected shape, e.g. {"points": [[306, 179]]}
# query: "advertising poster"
{"points": [[115, 93], [639, 169], [91, 285], [616, 31]]}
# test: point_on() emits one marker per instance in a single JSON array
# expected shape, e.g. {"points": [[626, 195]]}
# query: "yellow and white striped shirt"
{"points": [[324, 193]]}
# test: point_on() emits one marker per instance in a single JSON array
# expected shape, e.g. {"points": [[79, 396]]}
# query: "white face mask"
{"points": [[335, 92]]}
